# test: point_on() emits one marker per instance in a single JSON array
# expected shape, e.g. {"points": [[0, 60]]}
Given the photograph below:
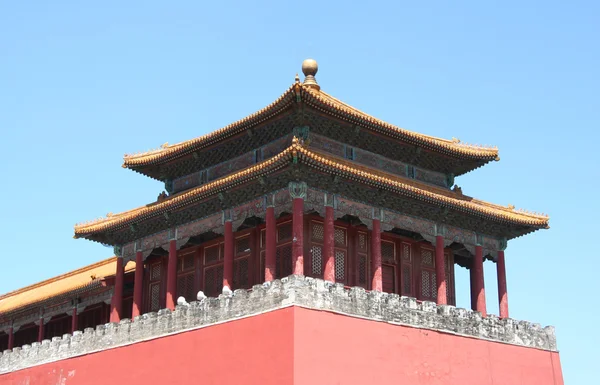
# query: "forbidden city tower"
{"points": [[308, 243]]}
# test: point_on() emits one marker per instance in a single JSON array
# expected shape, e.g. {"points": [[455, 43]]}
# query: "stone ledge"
{"points": [[300, 291]]}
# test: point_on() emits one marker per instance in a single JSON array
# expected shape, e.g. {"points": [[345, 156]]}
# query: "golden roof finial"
{"points": [[297, 79], [310, 69]]}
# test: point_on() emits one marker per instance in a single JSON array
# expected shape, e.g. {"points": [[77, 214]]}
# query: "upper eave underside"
{"points": [[325, 163], [476, 156]]}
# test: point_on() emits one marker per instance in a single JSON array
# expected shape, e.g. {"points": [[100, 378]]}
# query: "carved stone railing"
{"points": [[299, 291]]}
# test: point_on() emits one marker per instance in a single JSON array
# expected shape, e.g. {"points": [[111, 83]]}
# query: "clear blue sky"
{"points": [[82, 84]]}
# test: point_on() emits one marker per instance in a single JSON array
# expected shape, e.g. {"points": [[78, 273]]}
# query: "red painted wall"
{"points": [[231, 353], [345, 350], [300, 346]]}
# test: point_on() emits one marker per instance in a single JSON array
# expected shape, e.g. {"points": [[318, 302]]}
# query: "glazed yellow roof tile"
{"points": [[324, 102], [61, 284], [408, 187]]}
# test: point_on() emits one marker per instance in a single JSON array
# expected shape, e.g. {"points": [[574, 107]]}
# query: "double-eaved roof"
{"points": [[304, 104]]}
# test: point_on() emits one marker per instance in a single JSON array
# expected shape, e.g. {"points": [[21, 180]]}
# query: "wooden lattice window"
{"points": [[213, 280], [241, 263], [240, 273], [450, 293], [283, 260], [428, 289], [388, 266], [406, 280], [362, 265], [340, 238], [155, 272], [317, 232]]}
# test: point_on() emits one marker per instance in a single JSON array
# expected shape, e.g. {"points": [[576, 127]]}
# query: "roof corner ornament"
{"points": [[310, 69]]}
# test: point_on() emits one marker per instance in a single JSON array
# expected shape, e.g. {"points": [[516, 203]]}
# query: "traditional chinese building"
{"points": [[308, 220]]}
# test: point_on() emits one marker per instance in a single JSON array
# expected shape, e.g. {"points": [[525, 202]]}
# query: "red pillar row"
{"points": [[440, 271], [479, 287], [298, 237], [138, 283], [502, 294], [328, 246], [117, 298], [228, 257], [270, 247], [377, 282]]}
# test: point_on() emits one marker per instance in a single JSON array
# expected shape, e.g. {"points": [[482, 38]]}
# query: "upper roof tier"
{"points": [[448, 156]]}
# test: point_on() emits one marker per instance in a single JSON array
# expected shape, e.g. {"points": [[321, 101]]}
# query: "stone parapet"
{"points": [[300, 291]]}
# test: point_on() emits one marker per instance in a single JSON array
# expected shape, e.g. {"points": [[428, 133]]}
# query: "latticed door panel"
{"points": [[213, 280], [317, 233], [388, 273], [241, 273], [185, 286], [427, 280], [450, 291], [406, 271], [316, 253], [283, 260], [340, 265], [362, 260], [388, 252], [154, 296]]}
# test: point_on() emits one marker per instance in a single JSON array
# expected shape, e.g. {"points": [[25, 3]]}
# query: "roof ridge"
{"points": [[57, 278]]}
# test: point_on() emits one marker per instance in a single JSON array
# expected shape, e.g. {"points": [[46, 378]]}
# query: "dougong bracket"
{"points": [[298, 189]]}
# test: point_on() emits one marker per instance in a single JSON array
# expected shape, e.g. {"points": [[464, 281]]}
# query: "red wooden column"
{"points": [[478, 288], [11, 337], [328, 241], [440, 270], [298, 193], [171, 275], [41, 330], [377, 282], [74, 320], [270, 247], [502, 294], [138, 285], [117, 298], [228, 256]]}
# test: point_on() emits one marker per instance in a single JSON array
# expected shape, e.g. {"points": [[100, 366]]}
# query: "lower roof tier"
{"points": [[322, 172]]}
